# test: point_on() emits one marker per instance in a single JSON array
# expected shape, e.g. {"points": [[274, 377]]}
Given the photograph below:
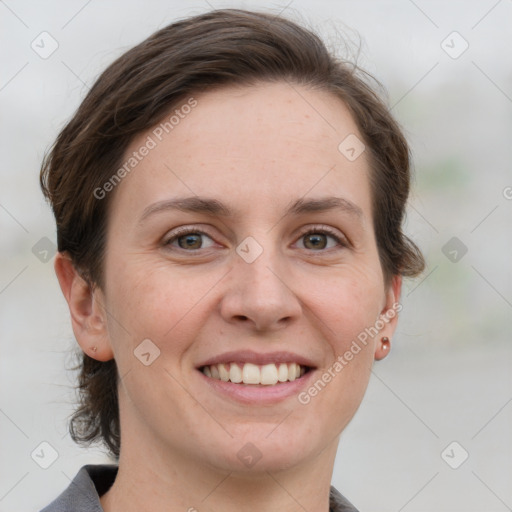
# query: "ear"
{"points": [[88, 316], [388, 318]]}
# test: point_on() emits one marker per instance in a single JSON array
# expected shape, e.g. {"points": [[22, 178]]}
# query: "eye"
{"points": [[319, 239], [190, 240]]}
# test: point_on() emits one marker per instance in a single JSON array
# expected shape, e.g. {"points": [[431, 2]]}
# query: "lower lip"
{"points": [[257, 393]]}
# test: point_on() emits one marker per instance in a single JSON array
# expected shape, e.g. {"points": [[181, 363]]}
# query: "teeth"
{"points": [[223, 372], [250, 374], [267, 374], [292, 374], [235, 374], [282, 373], [215, 372]]}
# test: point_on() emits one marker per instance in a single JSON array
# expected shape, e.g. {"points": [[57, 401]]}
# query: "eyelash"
{"points": [[341, 241]]}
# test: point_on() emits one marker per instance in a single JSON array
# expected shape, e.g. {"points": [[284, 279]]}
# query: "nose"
{"points": [[260, 296]]}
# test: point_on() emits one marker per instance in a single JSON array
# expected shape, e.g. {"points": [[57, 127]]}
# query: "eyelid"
{"points": [[327, 230], [185, 230]]}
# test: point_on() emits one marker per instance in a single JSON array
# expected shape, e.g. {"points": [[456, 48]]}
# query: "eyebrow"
{"points": [[214, 207], [193, 204], [324, 204]]}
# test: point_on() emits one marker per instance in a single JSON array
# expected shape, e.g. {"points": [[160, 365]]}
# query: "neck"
{"points": [[163, 480]]}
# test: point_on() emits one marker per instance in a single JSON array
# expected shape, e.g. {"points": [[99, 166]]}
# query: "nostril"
{"points": [[241, 317]]}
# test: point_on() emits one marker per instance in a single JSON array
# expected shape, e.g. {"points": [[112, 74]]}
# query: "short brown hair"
{"points": [[219, 48]]}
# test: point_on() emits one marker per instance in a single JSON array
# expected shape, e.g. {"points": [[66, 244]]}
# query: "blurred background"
{"points": [[433, 432]]}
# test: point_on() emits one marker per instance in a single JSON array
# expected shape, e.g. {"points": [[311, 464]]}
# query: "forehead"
{"points": [[281, 117], [278, 141]]}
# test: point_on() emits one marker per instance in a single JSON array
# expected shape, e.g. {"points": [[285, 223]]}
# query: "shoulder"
{"points": [[84, 491], [338, 503]]}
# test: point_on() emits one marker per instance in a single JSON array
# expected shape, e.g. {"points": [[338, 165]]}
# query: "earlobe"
{"points": [[383, 348], [88, 316], [389, 318]]}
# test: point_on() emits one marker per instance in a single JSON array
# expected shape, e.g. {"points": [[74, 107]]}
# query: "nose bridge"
{"points": [[260, 278], [260, 292]]}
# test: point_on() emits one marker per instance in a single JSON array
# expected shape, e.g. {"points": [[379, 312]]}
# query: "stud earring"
{"points": [[94, 349], [385, 343]]}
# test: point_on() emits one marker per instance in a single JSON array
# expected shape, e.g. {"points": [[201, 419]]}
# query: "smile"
{"points": [[248, 373], [257, 378]]}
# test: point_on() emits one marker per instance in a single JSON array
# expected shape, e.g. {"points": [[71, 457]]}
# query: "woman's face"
{"points": [[245, 236]]}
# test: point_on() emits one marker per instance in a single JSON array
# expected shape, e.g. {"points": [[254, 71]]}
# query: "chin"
{"points": [[263, 451]]}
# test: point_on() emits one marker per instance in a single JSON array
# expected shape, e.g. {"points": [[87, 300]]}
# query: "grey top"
{"points": [[92, 481]]}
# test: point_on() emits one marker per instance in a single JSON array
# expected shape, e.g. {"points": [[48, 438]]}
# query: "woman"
{"points": [[229, 199]]}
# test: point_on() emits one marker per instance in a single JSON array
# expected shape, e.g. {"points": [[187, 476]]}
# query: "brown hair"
{"points": [[219, 48]]}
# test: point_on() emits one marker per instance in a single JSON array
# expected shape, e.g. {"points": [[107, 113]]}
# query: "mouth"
{"points": [[254, 378], [270, 374]]}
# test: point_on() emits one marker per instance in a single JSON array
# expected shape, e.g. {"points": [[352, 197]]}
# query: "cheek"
{"points": [[341, 383], [347, 304], [155, 302], [361, 298]]}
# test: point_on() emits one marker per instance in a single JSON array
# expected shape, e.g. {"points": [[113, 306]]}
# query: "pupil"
{"points": [[191, 241], [316, 241]]}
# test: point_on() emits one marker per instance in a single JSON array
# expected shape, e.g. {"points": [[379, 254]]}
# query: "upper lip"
{"points": [[249, 356]]}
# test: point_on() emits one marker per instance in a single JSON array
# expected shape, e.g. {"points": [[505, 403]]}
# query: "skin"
{"points": [[257, 150]]}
